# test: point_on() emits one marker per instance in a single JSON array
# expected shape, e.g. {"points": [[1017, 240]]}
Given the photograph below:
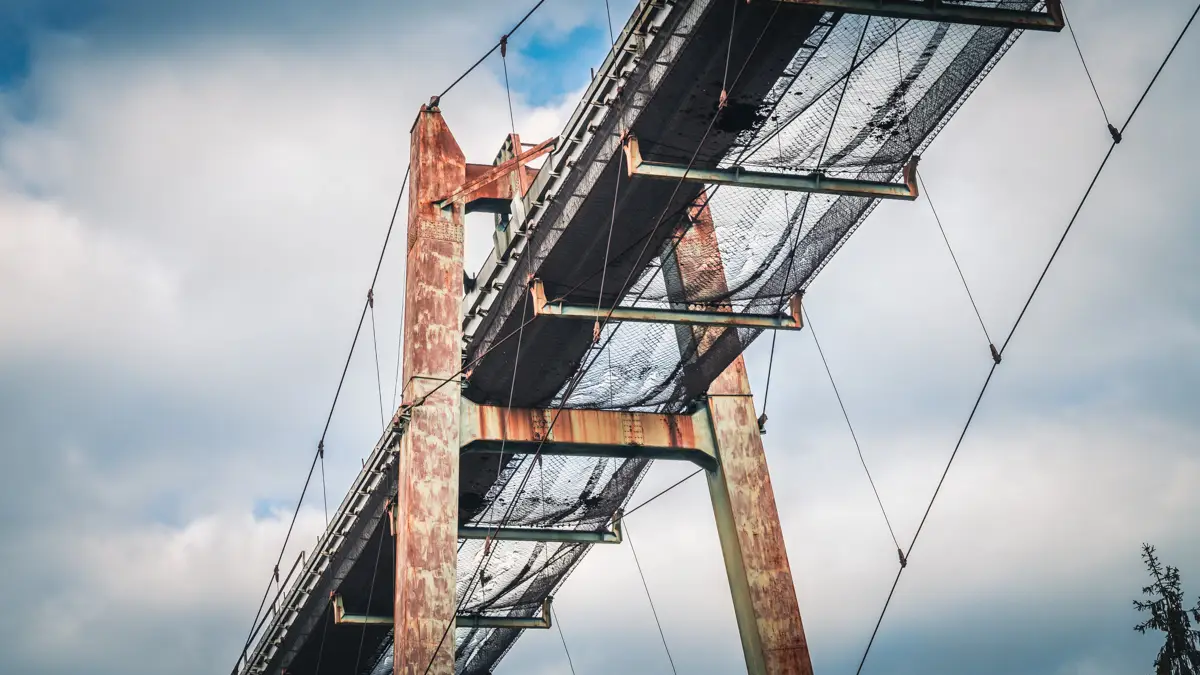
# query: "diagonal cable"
{"points": [[970, 418]]}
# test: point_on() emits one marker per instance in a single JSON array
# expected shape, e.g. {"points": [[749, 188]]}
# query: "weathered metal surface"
{"points": [[737, 176], [693, 317], [586, 433], [942, 12], [518, 622], [493, 181], [612, 536], [427, 499], [760, 578]]}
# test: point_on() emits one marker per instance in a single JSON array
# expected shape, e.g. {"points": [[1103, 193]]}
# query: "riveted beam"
{"points": [[518, 622], [586, 433], [943, 12], [551, 535], [793, 182], [542, 307]]}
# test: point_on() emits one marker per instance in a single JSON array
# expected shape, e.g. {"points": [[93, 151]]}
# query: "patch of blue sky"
{"points": [[267, 508], [555, 64]]}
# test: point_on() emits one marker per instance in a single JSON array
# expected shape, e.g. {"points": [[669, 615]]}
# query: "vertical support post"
{"points": [[760, 578], [427, 499]]}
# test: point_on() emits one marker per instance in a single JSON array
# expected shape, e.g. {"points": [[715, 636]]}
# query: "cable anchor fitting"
{"points": [[1116, 133], [762, 424], [995, 353]]}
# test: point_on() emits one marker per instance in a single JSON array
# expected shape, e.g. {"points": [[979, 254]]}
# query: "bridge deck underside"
{"points": [[788, 112]]}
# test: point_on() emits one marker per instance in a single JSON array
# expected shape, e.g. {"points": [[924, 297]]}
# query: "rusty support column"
{"points": [[760, 578], [427, 500]]}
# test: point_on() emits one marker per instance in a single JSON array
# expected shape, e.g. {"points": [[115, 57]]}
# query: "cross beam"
{"points": [[561, 536], [461, 621], [793, 182], [519, 622], [586, 433], [791, 321], [943, 12]]}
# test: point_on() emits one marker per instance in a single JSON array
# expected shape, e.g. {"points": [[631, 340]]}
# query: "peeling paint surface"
{"points": [[427, 498]]}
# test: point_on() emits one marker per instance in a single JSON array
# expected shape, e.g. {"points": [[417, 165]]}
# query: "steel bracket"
{"points": [[739, 177], [793, 320]]}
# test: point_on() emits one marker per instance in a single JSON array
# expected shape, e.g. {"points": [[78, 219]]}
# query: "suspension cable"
{"points": [[812, 331], [629, 540], [562, 636], [319, 455], [966, 287], [491, 51], [1017, 323], [1088, 71]]}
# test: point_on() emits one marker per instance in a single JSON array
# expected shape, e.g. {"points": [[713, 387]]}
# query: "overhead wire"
{"points": [[845, 415], [629, 540], [319, 456], [953, 257], [491, 51], [375, 344], [1029, 300], [562, 636], [1088, 72]]}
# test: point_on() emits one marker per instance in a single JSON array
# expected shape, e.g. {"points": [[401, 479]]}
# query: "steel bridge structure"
{"points": [[723, 153]]}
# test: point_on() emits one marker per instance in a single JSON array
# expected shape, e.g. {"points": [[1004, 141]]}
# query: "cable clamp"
{"points": [[995, 353], [276, 573], [903, 560], [503, 46], [723, 101], [1116, 134], [371, 298], [321, 448]]}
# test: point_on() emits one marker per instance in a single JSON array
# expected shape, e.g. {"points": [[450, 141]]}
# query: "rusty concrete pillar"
{"points": [[760, 578], [427, 498]]}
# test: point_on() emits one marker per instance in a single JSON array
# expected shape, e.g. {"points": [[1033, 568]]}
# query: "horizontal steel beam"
{"points": [[340, 616], [519, 622], [739, 177], [542, 534], [572, 432], [942, 12], [542, 307]]}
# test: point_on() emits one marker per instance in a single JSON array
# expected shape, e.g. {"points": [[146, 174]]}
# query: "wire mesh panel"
{"points": [[873, 94]]}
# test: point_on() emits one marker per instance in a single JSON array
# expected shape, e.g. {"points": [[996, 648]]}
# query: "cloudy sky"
{"points": [[192, 197]]}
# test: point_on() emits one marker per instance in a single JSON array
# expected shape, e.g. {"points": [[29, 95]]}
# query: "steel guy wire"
{"points": [[681, 481], [320, 453], [375, 344], [496, 46], [845, 415], [562, 636], [1017, 323], [970, 296], [629, 540], [370, 594], [1086, 70]]}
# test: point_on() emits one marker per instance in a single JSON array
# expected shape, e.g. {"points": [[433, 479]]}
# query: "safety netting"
{"points": [[862, 97], [870, 95]]}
